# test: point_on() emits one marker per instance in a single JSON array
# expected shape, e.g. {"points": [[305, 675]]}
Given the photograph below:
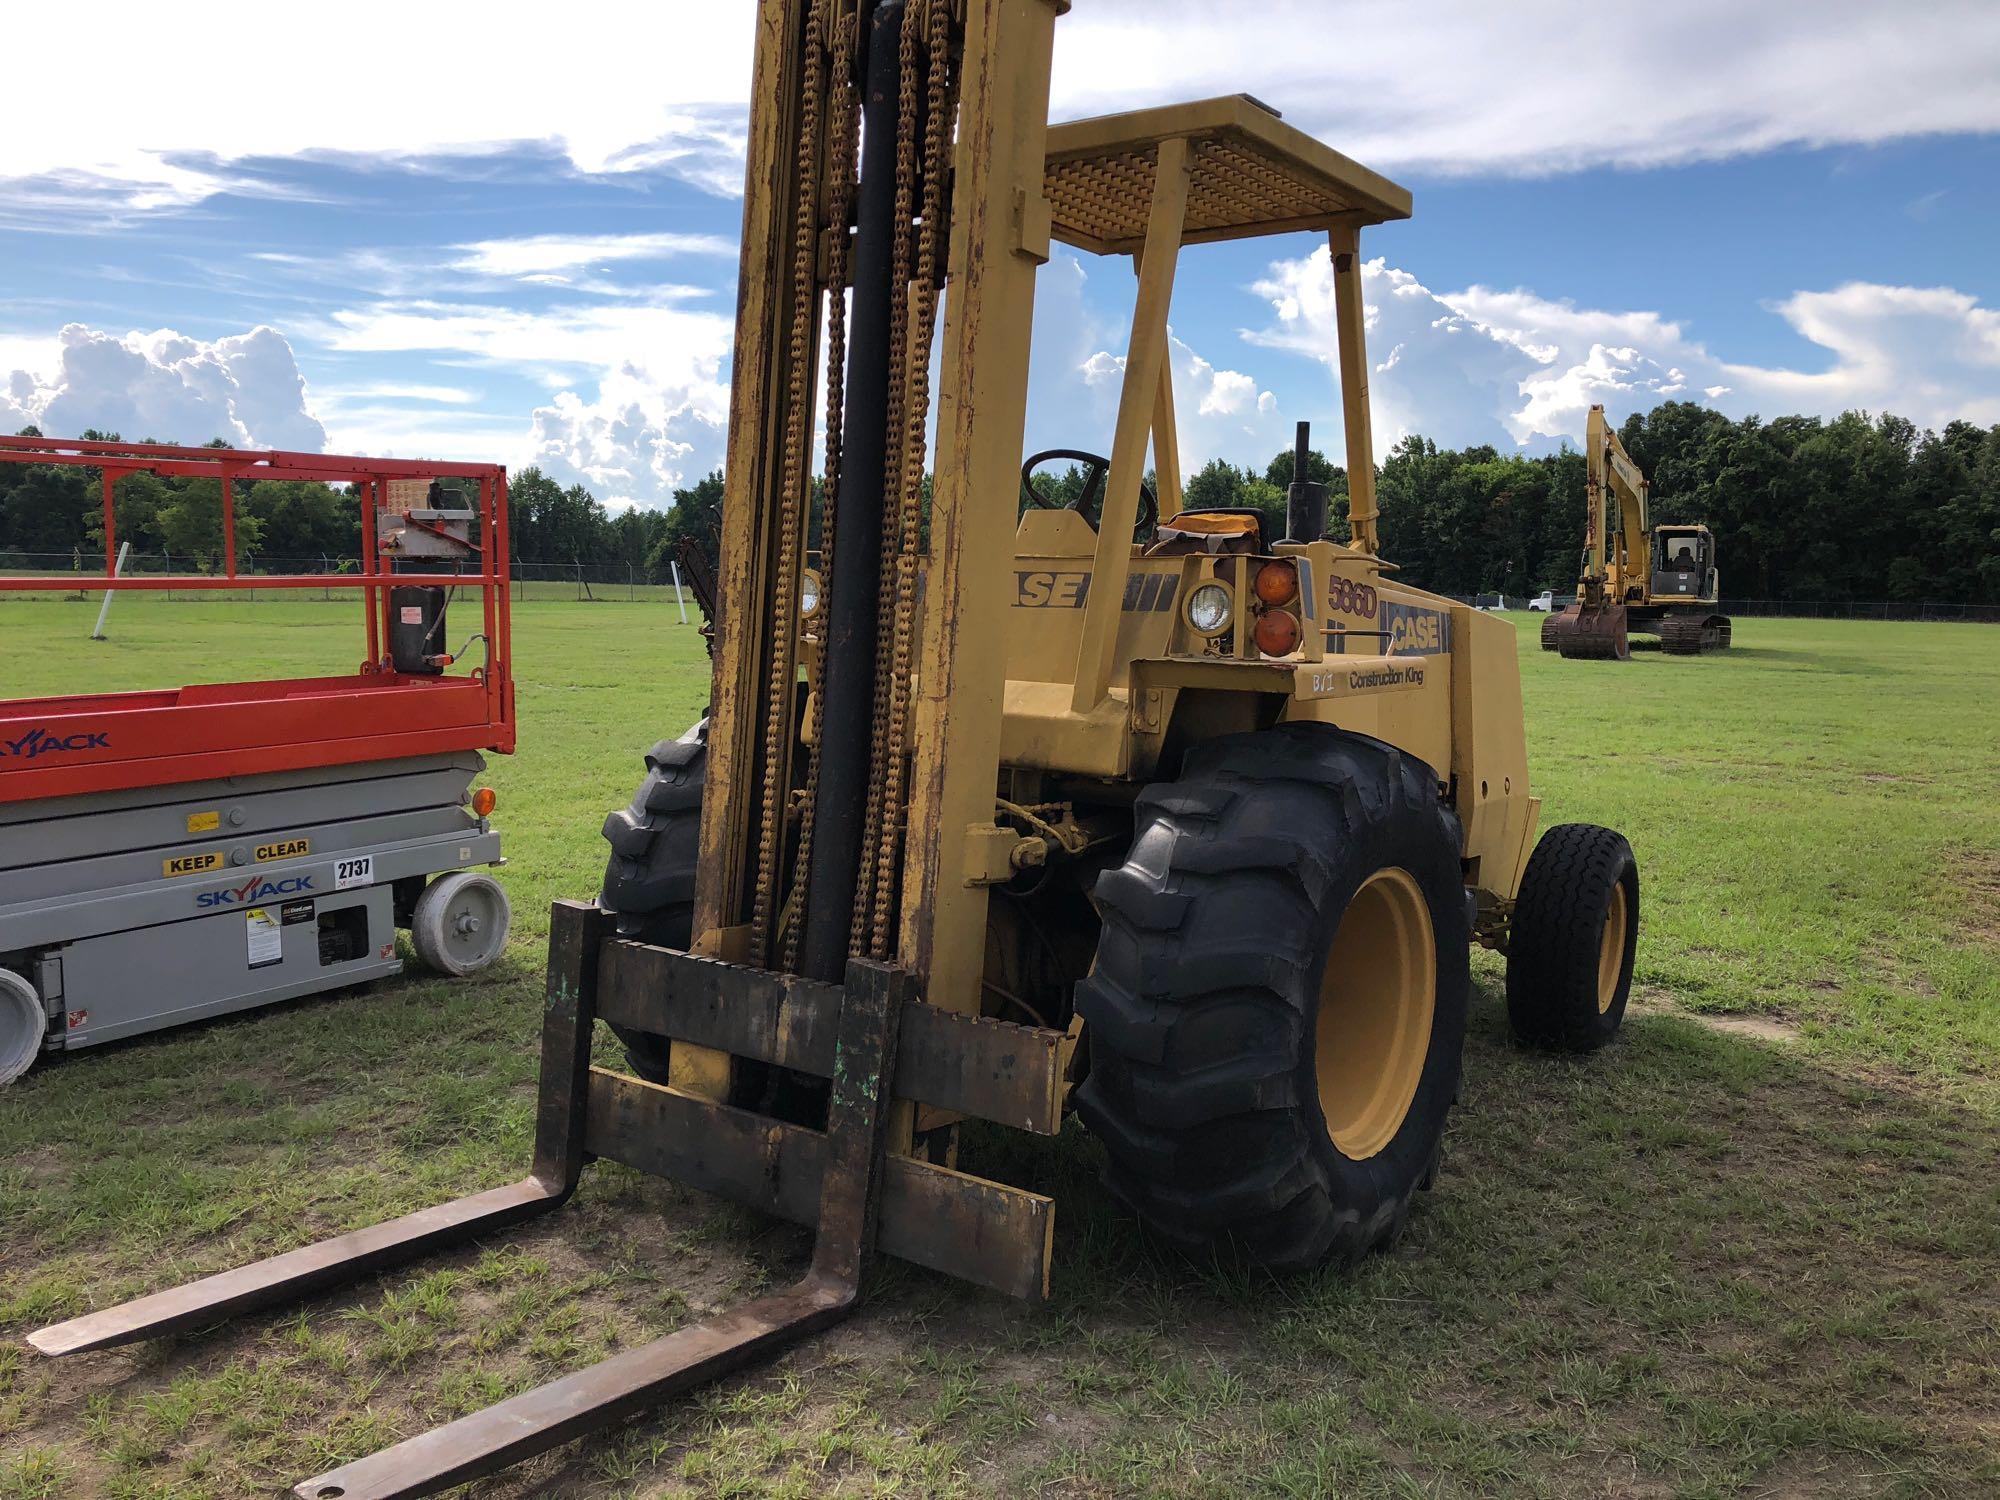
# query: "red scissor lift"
{"points": [[314, 816]]}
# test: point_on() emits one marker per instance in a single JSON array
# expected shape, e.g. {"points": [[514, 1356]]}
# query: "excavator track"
{"points": [[1686, 633]]}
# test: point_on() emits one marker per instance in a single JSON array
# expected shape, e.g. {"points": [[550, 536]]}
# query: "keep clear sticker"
{"points": [[266, 937]]}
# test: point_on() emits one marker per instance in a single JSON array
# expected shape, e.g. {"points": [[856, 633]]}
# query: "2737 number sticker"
{"points": [[352, 872]]}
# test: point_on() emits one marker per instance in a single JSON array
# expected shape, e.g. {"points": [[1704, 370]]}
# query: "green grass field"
{"points": [[1752, 1249]]}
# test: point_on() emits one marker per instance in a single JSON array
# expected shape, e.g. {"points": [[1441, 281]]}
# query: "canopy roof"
{"points": [[1252, 174]]}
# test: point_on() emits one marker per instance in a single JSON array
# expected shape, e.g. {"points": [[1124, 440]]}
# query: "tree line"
{"points": [[1856, 508], [57, 510]]}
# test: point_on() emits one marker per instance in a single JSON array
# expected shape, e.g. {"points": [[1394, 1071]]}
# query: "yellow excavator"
{"points": [[1001, 812], [1637, 578]]}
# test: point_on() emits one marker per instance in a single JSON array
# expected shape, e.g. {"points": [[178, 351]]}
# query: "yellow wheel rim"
{"points": [[1373, 1031], [1611, 949]]}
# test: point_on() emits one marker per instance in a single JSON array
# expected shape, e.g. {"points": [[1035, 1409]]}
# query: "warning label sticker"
{"points": [[283, 849], [192, 864], [204, 822], [266, 937]]}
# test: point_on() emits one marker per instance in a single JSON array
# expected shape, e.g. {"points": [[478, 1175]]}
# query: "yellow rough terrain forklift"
{"points": [[1005, 809], [1637, 577]]}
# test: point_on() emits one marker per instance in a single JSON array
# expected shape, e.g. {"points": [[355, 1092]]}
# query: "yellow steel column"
{"points": [[999, 235], [1145, 355], [1166, 443], [756, 401], [1350, 316]]}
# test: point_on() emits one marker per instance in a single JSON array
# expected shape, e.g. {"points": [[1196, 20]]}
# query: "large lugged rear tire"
{"points": [[1277, 1009], [649, 880], [1549, 631], [1572, 938]]}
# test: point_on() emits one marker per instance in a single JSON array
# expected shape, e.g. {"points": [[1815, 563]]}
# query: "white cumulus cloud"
{"points": [[638, 392], [1481, 365], [244, 388], [636, 443], [558, 254], [618, 85], [1471, 86]]}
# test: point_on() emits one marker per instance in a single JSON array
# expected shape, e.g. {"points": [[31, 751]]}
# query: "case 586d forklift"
{"points": [[1001, 810]]}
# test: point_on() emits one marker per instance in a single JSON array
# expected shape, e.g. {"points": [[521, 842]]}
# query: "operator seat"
{"points": [[1218, 529]]}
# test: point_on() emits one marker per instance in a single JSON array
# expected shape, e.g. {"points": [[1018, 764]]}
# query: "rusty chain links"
{"points": [[846, 111], [873, 830], [940, 104], [927, 95], [782, 634]]}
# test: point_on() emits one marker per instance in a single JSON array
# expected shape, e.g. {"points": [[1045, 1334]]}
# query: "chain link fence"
{"points": [[73, 575], [1794, 609], [77, 574], [1809, 609]]}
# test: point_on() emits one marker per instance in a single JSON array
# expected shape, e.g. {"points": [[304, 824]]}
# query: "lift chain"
{"points": [[846, 108], [781, 632], [885, 603], [940, 105]]}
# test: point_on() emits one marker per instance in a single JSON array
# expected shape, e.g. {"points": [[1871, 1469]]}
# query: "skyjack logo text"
{"points": [[39, 742], [255, 890]]}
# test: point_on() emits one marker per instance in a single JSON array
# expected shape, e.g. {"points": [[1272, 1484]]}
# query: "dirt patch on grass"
{"points": [[1756, 1028], [1975, 874], [1772, 1030]]}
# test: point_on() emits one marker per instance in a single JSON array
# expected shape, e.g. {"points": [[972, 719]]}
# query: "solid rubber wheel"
{"points": [[460, 923], [1277, 1008], [23, 1024], [649, 879], [1572, 937]]}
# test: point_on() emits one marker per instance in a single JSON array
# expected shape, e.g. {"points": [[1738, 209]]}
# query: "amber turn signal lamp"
{"points": [[1277, 632], [483, 801], [1278, 582]]}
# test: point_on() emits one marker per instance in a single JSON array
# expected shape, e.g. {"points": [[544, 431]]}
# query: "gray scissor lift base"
{"points": [[130, 911]]}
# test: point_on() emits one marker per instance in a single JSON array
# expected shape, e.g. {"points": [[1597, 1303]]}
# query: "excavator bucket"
{"points": [[1595, 633]]}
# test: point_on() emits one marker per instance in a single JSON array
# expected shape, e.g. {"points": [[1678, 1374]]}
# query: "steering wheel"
{"points": [[1089, 502]]}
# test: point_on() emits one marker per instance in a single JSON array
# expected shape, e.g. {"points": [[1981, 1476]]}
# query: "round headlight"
{"points": [[1210, 609], [809, 595]]}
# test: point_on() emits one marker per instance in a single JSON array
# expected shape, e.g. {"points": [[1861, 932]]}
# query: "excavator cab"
{"points": [[1681, 561]]}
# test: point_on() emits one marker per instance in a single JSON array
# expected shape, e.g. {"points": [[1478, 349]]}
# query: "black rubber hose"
{"points": [[847, 727]]}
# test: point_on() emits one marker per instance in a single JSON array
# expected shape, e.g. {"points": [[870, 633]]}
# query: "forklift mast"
{"points": [[850, 834]]}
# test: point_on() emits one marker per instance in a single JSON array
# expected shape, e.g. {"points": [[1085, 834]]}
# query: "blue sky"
{"points": [[1769, 209]]}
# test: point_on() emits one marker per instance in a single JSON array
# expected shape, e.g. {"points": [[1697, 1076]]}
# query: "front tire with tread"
{"points": [[1572, 938], [1203, 1002]]}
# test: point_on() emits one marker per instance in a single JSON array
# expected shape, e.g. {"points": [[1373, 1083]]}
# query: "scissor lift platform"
{"points": [[180, 853]]}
